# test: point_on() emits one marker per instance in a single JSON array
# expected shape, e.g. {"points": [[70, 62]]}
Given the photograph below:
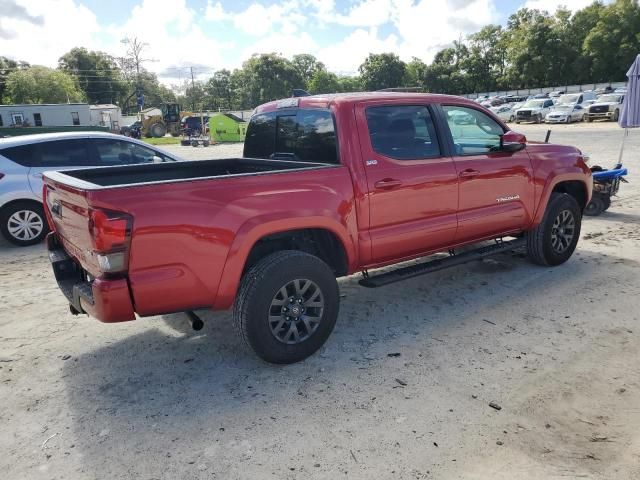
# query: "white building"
{"points": [[60, 115], [106, 115], [45, 115]]}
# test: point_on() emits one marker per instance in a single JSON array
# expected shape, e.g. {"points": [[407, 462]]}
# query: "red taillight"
{"points": [[110, 235], [109, 231]]}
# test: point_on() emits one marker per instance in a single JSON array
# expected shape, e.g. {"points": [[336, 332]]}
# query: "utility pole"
{"points": [[193, 87]]}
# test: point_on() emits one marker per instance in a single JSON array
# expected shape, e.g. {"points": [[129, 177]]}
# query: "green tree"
{"points": [[349, 84], [307, 66], [415, 72], [266, 77], [324, 82], [614, 41], [7, 66], [96, 73], [382, 70], [218, 89], [42, 85]]}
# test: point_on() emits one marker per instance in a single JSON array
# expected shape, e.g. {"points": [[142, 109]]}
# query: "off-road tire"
{"points": [[254, 300], [539, 242], [7, 212]]}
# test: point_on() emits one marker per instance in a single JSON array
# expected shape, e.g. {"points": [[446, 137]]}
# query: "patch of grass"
{"points": [[162, 141]]}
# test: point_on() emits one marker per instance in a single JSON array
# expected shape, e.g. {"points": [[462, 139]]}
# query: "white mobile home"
{"points": [[106, 115], [45, 115]]}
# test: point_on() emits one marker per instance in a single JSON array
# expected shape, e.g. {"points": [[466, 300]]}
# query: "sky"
{"points": [[209, 35]]}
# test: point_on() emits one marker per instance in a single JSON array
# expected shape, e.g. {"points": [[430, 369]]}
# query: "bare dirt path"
{"points": [[401, 391]]}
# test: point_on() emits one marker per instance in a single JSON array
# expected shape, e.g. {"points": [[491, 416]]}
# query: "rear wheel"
{"points": [[554, 240], [287, 306], [23, 223]]}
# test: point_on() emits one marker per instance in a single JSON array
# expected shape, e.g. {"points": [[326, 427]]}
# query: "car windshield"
{"points": [[610, 98], [573, 98], [534, 103]]}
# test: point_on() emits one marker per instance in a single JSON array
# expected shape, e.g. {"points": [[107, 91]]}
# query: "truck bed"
{"points": [[122, 176]]}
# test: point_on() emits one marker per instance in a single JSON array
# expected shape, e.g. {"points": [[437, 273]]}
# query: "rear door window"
{"points": [[306, 135], [403, 132], [64, 153]]}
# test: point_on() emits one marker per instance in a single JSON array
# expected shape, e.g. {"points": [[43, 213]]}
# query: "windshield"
{"points": [[534, 103], [573, 98], [610, 98]]}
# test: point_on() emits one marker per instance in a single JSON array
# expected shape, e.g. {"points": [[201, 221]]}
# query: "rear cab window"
{"points": [[304, 135]]}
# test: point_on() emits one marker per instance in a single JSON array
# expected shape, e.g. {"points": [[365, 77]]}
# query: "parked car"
{"points": [[269, 233], [603, 91], [622, 90], [23, 159], [192, 125], [504, 112], [565, 113], [132, 130], [541, 95], [607, 106], [534, 110], [575, 98], [556, 94]]}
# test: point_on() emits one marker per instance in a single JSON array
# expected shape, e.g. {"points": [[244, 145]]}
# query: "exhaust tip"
{"points": [[195, 321]]}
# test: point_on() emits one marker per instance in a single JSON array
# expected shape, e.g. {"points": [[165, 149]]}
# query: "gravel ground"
{"points": [[401, 391]]}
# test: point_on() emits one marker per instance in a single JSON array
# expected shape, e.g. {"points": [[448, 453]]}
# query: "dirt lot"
{"points": [[401, 391]]}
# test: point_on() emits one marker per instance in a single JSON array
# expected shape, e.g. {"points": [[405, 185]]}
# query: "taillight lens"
{"points": [[111, 238]]}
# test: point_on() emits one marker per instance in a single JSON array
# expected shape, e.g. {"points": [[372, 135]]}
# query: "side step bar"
{"points": [[440, 263]]}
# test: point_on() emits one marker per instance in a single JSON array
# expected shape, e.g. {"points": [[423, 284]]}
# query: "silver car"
{"points": [[23, 160]]}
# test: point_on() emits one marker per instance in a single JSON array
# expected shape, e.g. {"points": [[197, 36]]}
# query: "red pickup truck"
{"points": [[328, 185]]}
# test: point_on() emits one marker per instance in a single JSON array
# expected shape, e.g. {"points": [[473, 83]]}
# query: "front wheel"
{"points": [[287, 306], [615, 116], [23, 223], [554, 240]]}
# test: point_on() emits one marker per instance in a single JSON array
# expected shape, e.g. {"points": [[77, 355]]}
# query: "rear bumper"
{"points": [[108, 300]]}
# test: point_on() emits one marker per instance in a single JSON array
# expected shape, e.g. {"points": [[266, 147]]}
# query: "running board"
{"points": [[440, 263]]}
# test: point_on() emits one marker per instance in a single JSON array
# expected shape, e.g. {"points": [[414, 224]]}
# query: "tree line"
{"points": [[535, 48]]}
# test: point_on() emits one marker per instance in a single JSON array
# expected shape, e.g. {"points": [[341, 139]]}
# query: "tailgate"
{"points": [[68, 210]]}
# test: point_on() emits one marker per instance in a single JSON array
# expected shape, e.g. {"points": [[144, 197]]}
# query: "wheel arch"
{"points": [[321, 237]]}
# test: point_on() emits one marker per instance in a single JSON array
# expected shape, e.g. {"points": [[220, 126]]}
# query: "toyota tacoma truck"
{"points": [[327, 186]]}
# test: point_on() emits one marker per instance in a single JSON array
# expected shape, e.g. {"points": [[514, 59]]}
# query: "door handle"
{"points": [[388, 183], [469, 172]]}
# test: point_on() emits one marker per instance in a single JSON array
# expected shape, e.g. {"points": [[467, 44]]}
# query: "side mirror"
{"points": [[512, 141]]}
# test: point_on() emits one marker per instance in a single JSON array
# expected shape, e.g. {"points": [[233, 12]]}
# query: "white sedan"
{"points": [[565, 114], [506, 113]]}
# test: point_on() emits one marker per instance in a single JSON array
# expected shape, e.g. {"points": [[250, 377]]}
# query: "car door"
{"points": [[58, 155], [412, 181], [496, 187]]}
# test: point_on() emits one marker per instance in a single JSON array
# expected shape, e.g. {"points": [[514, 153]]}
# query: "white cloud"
{"points": [[285, 44], [165, 25], [423, 28], [551, 6], [259, 20], [45, 40], [346, 56], [215, 12]]}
